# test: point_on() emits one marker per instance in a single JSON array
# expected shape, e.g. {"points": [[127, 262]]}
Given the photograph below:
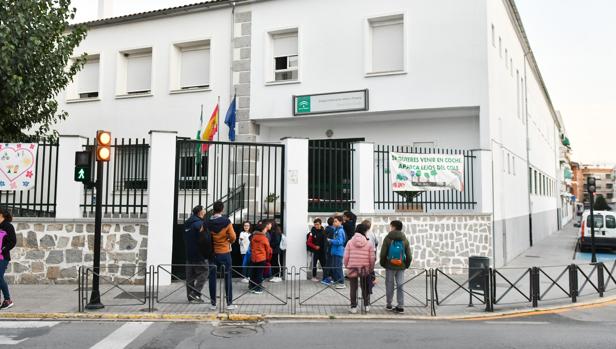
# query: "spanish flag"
{"points": [[210, 129]]}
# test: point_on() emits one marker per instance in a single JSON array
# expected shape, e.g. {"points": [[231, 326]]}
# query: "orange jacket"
{"points": [[223, 234], [260, 248]]}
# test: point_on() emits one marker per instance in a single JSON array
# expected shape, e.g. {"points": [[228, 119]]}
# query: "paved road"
{"points": [[590, 328]]}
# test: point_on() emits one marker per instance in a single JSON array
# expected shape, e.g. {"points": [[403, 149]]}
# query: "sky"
{"points": [[573, 42]]}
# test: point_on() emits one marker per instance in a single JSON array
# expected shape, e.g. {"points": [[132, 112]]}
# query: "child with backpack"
{"points": [[329, 234], [395, 257], [336, 253], [261, 252], [316, 244], [359, 260]]}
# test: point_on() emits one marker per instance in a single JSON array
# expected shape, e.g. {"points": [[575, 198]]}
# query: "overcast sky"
{"points": [[573, 42]]}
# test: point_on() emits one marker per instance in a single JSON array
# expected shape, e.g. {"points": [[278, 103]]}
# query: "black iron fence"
{"points": [[330, 175], [246, 177], [386, 199], [125, 180], [427, 292], [39, 201]]}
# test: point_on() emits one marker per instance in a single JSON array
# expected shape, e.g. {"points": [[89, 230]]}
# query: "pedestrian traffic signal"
{"points": [[103, 146], [591, 184], [83, 163]]}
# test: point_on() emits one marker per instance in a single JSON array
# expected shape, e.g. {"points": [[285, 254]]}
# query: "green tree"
{"points": [[601, 204], [36, 44]]}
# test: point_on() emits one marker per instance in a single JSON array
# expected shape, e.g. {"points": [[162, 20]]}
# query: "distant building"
{"points": [[605, 181]]}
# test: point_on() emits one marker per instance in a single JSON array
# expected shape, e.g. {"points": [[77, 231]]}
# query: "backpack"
{"points": [[2, 235], [206, 248], [396, 254]]}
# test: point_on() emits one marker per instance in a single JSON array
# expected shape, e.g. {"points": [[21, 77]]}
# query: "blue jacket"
{"points": [[191, 239], [337, 243]]}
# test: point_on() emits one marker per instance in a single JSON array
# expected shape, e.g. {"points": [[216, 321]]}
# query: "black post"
{"points": [[573, 282], [592, 226], [95, 297], [534, 288], [600, 278]]}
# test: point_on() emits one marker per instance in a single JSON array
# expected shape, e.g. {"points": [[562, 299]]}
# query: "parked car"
{"points": [[605, 230]]}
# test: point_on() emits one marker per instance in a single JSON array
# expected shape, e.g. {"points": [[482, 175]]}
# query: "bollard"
{"points": [[534, 286], [600, 278], [573, 282], [486, 292]]}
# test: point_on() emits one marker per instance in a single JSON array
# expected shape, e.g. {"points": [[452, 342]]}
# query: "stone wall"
{"points": [[437, 240], [51, 251]]}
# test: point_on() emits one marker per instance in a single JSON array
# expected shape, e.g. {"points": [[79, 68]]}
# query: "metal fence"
{"points": [[427, 292], [330, 175], [39, 201], [246, 177], [386, 199], [125, 180]]}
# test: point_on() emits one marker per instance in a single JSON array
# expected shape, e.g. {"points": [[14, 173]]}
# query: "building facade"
{"points": [[605, 180], [437, 74]]}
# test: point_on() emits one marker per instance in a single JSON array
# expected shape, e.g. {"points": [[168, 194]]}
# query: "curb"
{"points": [[283, 317]]}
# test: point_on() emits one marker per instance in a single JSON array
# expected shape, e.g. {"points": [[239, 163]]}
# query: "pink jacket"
{"points": [[358, 255]]}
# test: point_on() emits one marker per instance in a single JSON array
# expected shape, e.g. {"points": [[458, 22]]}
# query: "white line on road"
{"points": [[123, 336], [27, 324], [517, 322]]}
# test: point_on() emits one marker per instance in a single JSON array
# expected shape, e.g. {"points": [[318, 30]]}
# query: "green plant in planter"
{"points": [[272, 197]]}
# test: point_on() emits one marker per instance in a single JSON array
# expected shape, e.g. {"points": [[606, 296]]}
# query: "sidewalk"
{"points": [[556, 249]]}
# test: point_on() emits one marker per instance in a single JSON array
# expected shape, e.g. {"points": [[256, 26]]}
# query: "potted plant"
{"points": [[271, 204]]}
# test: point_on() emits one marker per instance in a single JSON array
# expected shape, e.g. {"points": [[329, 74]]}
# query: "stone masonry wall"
{"points": [[437, 240], [50, 251]]}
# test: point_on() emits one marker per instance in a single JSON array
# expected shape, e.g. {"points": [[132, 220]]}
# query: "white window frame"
{"points": [[270, 71], [389, 17], [175, 65], [122, 72], [72, 89]]}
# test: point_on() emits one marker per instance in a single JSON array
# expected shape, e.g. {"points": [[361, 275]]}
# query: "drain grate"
{"points": [[234, 331]]}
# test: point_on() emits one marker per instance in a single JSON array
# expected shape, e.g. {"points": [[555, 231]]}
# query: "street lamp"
{"points": [[103, 155]]}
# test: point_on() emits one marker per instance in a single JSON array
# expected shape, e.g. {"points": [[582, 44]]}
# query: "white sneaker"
{"points": [[231, 307], [245, 280], [340, 286], [315, 279], [367, 308], [276, 279], [213, 307], [353, 310]]}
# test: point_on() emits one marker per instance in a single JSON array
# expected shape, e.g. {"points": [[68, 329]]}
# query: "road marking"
{"points": [[12, 325], [123, 336], [517, 322], [27, 324]]}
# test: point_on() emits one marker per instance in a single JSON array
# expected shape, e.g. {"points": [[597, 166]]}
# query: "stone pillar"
{"points": [[247, 130], [68, 193], [363, 178], [161, 184], [296, 200]]}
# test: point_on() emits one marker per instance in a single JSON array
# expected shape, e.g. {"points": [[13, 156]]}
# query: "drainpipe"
{"points": [[231, 84], [530, 203]]}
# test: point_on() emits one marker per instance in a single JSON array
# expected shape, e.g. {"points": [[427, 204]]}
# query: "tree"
{"points": [[36, 45], [601, 204]]}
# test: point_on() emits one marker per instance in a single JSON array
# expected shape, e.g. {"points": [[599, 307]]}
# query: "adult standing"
{"points": [[223, 236], [7, 241], [196, 266], [275, 240], [395, 258]]}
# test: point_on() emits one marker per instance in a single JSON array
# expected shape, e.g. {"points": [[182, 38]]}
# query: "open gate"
{"points": [[246, 177]]}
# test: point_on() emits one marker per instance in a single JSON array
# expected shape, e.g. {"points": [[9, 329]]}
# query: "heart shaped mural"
{"points": [[17, 166]]}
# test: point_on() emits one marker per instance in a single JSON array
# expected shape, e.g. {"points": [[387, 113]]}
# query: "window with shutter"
{"points": [[195, 67], [387, 44], [285, 56], [87, 78], [138, 72]]}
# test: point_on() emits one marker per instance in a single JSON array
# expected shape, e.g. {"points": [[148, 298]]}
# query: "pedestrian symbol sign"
{"points": [[82, 174]]}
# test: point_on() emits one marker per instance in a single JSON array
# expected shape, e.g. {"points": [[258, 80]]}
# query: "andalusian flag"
{"points": [[210, 129], [199, 150]]}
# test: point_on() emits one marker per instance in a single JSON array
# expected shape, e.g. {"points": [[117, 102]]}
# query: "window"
{"points": [[285, 55], [131, 161], [598, 218], [387, 44], [609, 186], [506, 58], [610, 195], [88, 77], [610, 221], [517, 75], [522, 99], [493, 37], [134, 72], [530, 180], [190, 66], [608, 176], [500, 47], [193, 171], [536, 183]]}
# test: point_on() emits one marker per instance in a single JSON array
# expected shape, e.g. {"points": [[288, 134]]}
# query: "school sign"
{"points": [[426, 172]]}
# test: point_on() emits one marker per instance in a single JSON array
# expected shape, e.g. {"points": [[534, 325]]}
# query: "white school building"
{"points": [[438, 76]]}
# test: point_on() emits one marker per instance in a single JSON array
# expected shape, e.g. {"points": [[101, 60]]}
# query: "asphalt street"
{"points": [[588, 328]]}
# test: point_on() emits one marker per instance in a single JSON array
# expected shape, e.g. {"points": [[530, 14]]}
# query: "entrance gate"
{"points": [[246, 177]]}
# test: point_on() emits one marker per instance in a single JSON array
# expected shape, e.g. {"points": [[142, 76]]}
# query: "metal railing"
{"points": [[330, 176], [125, 181], [39, 201], [426, 291], [386, 199]]}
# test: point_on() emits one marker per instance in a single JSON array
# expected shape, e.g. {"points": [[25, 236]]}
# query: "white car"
{"points": [[605, 230]]}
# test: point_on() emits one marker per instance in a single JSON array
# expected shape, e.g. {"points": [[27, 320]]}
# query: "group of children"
{"points": [[343, 243], [263, 250]]}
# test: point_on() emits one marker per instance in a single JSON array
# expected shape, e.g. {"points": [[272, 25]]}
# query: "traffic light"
{"points": [[103, 146], [591, 184], [83, 166]]}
